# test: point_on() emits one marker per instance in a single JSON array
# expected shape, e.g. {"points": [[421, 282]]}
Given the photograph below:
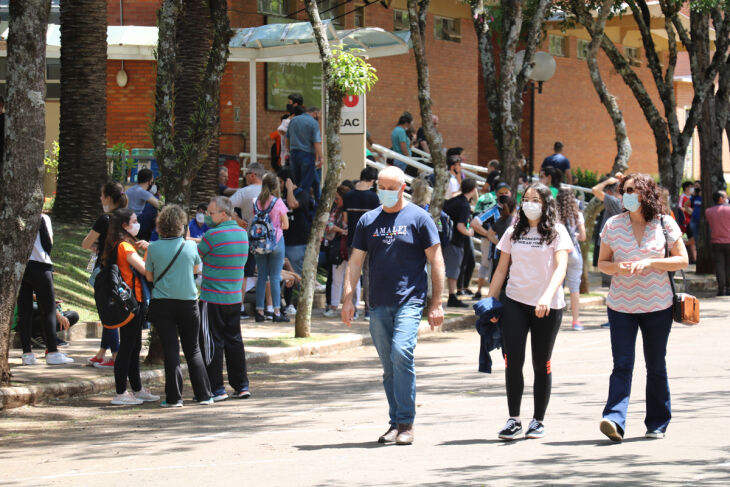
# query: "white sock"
{"points": [[270, 309]]}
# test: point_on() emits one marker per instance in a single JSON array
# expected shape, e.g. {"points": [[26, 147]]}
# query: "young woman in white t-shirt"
{"points": [[535, 253]]}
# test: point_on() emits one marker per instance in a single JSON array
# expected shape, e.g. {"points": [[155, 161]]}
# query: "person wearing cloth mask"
{"points": [[112, 197], [633, 251], [197, 226], [534, 251], [171, 262], [459, 210], [143, 192], [400, 238], [121, 249]]}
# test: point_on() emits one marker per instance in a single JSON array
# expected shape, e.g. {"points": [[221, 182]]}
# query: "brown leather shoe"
{"points": [[405, 434], [389, 436]]}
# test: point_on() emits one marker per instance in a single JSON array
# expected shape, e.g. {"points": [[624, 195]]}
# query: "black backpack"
{"points": [[115, 300], [445, 228]]}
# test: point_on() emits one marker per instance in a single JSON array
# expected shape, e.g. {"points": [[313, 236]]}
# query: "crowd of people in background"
{"points": [[194, 275]]}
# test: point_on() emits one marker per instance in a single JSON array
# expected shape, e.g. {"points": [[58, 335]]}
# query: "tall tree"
{"points": [[21, 169], [192, 52], [342, 74], [596, 26], [82, 157], [500, 29], [417, 16], [671, 140]]}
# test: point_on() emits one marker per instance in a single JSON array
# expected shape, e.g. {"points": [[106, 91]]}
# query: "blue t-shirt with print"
{"points": [[396, 244]]}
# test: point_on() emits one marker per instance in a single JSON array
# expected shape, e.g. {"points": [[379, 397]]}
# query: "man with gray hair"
{"points": [[224, 250]]}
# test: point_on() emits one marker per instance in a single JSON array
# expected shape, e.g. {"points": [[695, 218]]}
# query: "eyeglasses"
{"points": [[627, 191]]}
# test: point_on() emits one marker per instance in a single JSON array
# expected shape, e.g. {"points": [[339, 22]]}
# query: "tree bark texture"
{"points": [[82, 166], [714, 111], [335, 165], [192, 52], [21, 170], [417, 11], [504, 86]]}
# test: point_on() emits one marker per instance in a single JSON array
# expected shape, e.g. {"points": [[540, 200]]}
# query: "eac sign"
{"points": [[353, 114]]}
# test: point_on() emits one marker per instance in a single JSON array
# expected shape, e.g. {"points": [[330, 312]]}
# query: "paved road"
{"points": [[314, 422]]}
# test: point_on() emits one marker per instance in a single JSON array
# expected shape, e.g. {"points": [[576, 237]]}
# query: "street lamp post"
{"points": [[542, 70]]}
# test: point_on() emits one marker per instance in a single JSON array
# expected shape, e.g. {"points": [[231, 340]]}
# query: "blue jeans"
{"points": [[110, 339], [655, 328], [269, 267], [305, 174], [395, 332], [295, 254]]}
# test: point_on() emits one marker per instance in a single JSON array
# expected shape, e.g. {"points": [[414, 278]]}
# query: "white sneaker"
{"points": [[58, 358], [126, 399], [29, 359], [330, 313], [356, 316], [290, 310], [146, 395]]}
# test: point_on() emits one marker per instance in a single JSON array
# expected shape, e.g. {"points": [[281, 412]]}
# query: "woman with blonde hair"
{"points": [[570, 215]]}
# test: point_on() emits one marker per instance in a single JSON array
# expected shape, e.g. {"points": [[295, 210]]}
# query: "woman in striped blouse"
{"points": [[640, 298]]}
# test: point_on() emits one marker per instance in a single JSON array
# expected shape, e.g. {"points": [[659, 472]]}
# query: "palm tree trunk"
{"points": [[82, 157], [21, 168]]}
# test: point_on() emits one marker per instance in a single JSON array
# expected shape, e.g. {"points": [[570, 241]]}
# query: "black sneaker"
{"points": [[61, 343], [511, 430], [38, 342], [535, 430], [269, 315], [477, 296], [259, 317], [610, 429], [281, 318], [244, 315], [455, 303]]}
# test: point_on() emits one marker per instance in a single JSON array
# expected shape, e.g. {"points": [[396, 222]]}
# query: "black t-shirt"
{"points": [[460, 212], [101, 226], [300, 219], [356, 203]]}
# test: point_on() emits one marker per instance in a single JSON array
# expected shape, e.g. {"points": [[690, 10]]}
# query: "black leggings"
{"points": [[517, 320], [38, 278], [467, 266], [126, 364]]}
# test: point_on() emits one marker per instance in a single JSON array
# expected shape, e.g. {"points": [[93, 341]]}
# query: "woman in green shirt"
{"points": [[171, 264]]}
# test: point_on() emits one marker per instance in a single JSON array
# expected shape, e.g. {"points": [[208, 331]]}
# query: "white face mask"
{"points": [[200, 218], [153, 189], [107, 209], [133, 229], [533, 211]]}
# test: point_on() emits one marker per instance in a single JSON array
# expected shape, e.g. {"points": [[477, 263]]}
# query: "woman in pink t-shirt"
{"points": [[269, 265], [535, 253], [640, 298]]}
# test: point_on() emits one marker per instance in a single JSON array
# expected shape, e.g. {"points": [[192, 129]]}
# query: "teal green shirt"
{"points": [[179, 281], [224, 250], [397, 136]]}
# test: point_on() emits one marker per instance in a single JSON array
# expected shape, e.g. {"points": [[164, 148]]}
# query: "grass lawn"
{"points": [[70, 278], [286, 341]]}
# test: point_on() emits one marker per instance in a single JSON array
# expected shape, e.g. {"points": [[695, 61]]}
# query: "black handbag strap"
{"points": [[666, 254], [158, 279]]}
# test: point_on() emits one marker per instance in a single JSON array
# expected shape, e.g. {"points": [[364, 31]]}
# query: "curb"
{"points": [[13, 397]]}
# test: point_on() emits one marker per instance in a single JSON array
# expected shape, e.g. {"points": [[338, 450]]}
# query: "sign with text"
{"points": [[353, 114]]}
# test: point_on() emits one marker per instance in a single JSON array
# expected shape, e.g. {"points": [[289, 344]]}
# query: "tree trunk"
{"points": [[504, 88], [21, 168], [82, 156], [335, 165], [417, 20], [192, 52]]}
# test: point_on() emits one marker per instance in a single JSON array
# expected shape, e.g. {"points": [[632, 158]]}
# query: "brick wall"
{"points": [[130, 109]]}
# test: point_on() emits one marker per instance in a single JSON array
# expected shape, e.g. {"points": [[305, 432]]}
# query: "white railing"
{"points": [[427, 157]]}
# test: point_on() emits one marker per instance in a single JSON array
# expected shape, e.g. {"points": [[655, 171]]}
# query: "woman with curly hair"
{"points": [[171, 264], [570, 215], [535, 253], [640, 298]]}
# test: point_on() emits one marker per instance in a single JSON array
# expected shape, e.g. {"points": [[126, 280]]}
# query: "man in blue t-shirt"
{"points": [[399, 238], [400, 142], [305, 146], [559, 161]]}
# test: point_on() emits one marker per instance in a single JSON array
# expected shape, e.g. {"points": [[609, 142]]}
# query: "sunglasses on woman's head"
{"points": [[627, 190]]}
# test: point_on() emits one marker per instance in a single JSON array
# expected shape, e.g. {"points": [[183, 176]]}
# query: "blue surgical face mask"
{"points": [[388, 197], [631, 201]]}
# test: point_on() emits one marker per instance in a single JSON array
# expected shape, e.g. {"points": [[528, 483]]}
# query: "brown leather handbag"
{"points": [[685, 307]]}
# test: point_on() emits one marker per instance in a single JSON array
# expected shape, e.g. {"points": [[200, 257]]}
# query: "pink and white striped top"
{"points": [[648, 290]]}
